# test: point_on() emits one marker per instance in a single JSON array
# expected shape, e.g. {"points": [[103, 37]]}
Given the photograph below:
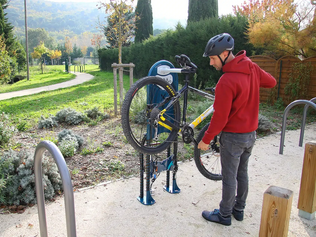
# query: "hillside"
{"points": [[59, 17], [62, 19]]}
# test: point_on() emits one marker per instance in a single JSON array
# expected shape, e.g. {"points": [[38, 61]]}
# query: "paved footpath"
{"points": [[80, 78]]}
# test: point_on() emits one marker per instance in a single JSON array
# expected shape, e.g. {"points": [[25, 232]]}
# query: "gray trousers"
{"points": [[235, 150]]}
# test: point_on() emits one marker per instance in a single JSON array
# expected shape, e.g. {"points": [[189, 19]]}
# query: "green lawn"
{"points": [[52, 75], [95, 93]]}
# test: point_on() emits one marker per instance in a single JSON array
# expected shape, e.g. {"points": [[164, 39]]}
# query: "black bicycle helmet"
{"points": [[218, 44]]}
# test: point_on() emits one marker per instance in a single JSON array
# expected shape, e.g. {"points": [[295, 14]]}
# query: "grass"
{"points": [[95, 93], [52, 75]]}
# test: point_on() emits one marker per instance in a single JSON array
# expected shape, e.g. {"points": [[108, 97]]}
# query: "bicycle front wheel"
{"points": [[208, 162], [143, 114]]}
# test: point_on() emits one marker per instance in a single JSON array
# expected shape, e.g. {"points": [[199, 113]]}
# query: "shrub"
{"points": [[70, 116], [94, 113], [68, 147], [264, 124], [22, 126], [69, 143], [6, 130], [17, 180], [68, 135], [47, 123]]}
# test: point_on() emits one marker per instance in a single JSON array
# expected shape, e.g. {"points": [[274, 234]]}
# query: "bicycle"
{"points": [[151, 117]]}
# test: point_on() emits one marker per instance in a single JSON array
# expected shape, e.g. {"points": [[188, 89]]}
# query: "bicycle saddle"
{"points": [[184, 61]]}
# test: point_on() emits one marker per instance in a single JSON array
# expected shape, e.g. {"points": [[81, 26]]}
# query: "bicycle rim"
{"points": [[137, 120], [208, 162]]}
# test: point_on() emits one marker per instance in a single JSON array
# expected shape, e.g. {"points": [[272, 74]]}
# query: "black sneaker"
{"points": [[239, 215], [215, 216]]}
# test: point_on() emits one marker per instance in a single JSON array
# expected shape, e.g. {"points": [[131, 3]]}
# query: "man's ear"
{"points": [[225, 54]]}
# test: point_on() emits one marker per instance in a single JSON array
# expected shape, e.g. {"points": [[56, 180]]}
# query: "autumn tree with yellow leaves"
{"points": [[39, 52], [54, 54], [281, 27], [122, 28]]}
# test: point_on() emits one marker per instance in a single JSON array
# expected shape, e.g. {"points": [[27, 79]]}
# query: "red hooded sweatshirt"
{"points": [[236, 105]]}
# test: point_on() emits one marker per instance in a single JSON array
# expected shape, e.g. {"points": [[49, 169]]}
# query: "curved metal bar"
{"points": [[67, 186], [286, 111], [304, 122]]}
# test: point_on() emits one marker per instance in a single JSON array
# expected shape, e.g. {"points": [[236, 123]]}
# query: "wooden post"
{"points": [[115, 67], [131, 74], [115, 90], [276, 210], [121, 86], [307, 197]]}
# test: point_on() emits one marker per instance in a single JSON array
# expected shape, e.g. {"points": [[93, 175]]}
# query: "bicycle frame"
{"points": [[184, 90]]}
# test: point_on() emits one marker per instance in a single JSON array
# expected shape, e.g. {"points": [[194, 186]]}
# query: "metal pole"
{"points": [[26, 43], [67, 187], [304, 122], [286, 111]]}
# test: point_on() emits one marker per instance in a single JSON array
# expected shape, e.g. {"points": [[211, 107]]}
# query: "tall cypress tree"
{"points": [[14, 48], [201, 9], [6, 28], [144, 21]]}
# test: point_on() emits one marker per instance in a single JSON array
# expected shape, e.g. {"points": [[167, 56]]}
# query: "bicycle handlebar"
{"points": [[184, 61]]}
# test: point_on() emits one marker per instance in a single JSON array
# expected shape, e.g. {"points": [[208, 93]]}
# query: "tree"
{"points": [[84, 50], [111, 35], [5, 27], [281, 27], [68, 45], [36, 36], [13, 47], [54, 54], [96, 41], [122, 29], [144, 21], [76, 52], [39, 52], [201, 9], [5, 69]]}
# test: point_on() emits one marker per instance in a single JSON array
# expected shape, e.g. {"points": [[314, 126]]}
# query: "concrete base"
{"points": [[306, 215]]}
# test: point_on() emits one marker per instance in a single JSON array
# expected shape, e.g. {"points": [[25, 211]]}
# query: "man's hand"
{"points": [[203, 146]]}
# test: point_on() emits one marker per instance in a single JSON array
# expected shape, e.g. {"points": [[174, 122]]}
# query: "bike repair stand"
{"points": [[153, 168]]}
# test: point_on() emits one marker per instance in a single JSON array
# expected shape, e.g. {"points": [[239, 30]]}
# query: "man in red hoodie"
{"points": [[236, 110]]}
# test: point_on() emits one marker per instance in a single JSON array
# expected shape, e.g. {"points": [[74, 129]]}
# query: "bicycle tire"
{"points": [[137, 108], [208, 162]]}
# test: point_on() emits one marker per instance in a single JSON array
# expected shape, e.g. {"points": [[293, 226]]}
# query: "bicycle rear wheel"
{"points": [[208, 162], [141, 109]]}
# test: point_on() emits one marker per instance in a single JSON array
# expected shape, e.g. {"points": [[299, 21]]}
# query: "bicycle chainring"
{"points": [[187, 134]]}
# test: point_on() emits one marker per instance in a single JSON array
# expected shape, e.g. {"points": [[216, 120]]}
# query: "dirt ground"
{"points": [[113, 157], [112, 209]]}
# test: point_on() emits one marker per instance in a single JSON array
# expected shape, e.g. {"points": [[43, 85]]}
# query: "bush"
{"points": [[70, 116], [264, 124], [48, 123], [69, 143], [68, 147], [17, 180], [6, 130], [94, 113]]}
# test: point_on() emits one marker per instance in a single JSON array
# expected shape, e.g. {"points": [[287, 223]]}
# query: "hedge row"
{"points": [[190, 41]]}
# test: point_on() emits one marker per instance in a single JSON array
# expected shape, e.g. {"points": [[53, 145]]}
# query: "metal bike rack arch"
{"points": [[304, 121], [286, 111], [67, 186]]}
